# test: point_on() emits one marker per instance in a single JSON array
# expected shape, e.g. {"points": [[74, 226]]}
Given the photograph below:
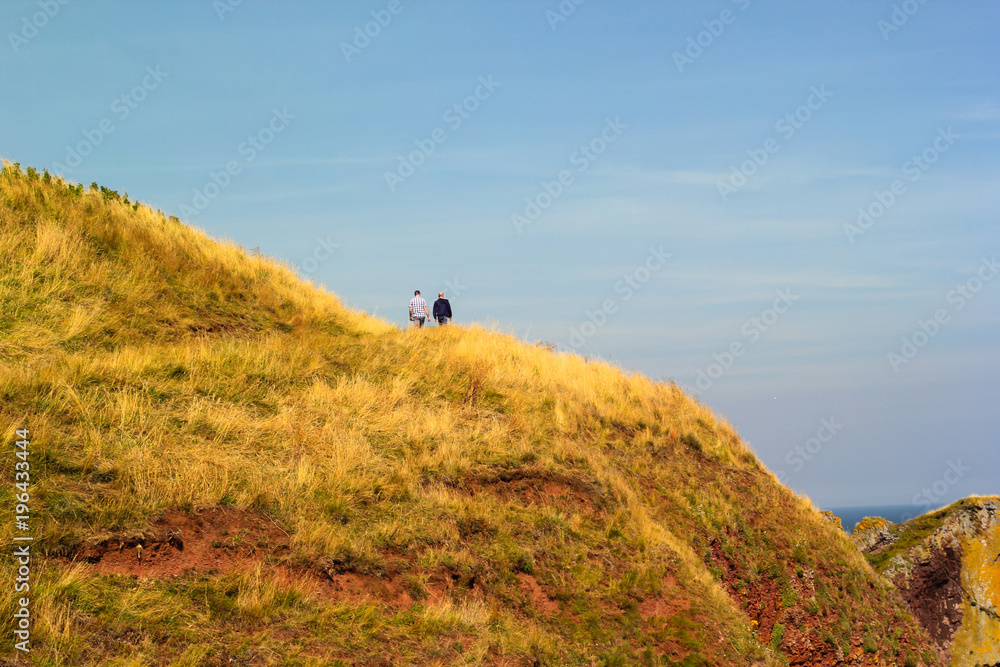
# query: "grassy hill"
{"points": [[228, 467]]}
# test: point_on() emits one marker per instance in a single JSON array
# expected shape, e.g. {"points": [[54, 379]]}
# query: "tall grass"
{"points": [[158, 368]]}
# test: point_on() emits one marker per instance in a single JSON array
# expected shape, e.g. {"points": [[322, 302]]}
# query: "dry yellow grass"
{"points": [[160, 369]]}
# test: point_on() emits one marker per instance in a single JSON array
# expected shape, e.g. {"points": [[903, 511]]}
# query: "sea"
{"points": [[852, 516]]}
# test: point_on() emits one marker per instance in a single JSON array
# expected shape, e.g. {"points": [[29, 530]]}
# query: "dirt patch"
{"points": [[761, 600], [359, 588], [664, 605], [527, 487], [215, 540], [759, 597], [398, 583], [223, 540], [536, 594], [654, 608]]}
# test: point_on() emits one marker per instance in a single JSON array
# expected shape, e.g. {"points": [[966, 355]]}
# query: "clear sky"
{"points": [[674, 186]]}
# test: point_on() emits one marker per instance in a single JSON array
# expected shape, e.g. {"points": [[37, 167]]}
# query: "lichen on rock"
{"points": [[977, 642], [946, 566], [898, 569], [832, 518], [873, 533]]}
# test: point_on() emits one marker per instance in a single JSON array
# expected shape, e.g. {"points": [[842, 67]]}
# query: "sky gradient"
{"points": [[789, 208]]}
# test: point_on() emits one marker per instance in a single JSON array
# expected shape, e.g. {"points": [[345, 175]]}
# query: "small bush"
{"points": [[415, 587], [788, 596], [777, 635], [692, 441], [524, 562]]}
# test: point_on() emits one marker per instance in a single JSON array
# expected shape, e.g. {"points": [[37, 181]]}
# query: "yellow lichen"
{"points": [[977, 642], [870, 522]]}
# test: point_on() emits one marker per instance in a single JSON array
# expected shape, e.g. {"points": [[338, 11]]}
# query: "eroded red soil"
{"points": [[539, 488], [225, 540], [216, 540]]}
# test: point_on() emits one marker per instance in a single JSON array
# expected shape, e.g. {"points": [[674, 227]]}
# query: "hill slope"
{"points": [[229, 467]]}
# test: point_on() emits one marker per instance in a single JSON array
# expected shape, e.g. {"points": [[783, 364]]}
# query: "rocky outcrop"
{"points": [[832, 518], [873, 534], [946, 566]]}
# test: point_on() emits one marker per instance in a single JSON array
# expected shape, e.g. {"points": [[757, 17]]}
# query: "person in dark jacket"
{"points": [[442, 310]]}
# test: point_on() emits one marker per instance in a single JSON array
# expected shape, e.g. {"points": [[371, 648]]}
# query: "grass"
{"points": [[160, 370]]}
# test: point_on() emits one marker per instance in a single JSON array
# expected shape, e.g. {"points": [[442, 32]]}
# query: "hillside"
{"points": [[228, 467], [946, 564]]}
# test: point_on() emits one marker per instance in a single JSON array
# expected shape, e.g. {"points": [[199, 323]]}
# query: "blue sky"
{"points": [[740, 138]]}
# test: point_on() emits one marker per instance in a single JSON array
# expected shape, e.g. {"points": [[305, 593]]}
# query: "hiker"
{"points": [[442, 310], [418, 309]]}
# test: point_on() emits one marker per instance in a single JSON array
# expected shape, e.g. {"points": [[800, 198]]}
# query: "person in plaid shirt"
{"points": [[418, 309]]}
